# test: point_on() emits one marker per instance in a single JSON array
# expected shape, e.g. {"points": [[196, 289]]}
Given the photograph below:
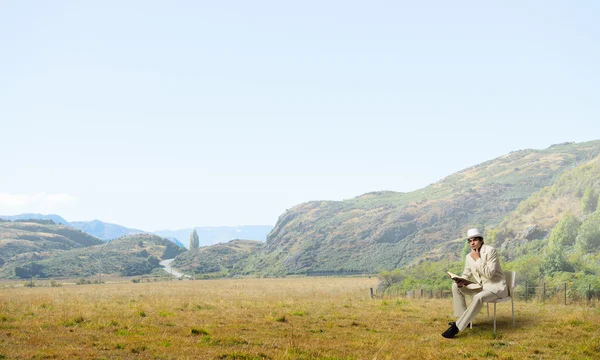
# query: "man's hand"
{"points": [[461, 282], [475, 254]]}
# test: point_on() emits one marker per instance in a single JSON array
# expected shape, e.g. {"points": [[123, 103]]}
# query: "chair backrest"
{"points": [[511, 280]]}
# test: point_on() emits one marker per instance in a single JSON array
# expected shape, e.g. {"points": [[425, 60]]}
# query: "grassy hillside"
{"points": [[555, 234], [128, 256], [155, 245], [217, 260], [19, 237], [552, 237], [535, 217], [386, 230]]}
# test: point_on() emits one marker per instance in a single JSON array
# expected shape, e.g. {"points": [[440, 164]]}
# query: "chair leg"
{"points": [[513, 310], [488, 310], [494, 318], [471, 325]]}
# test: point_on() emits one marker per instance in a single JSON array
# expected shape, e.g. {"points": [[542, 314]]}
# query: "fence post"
{"points": [[431, 294], [565, 293], [544, 293], [421, 295], [589, 292], [526, 291], [372, 293]]}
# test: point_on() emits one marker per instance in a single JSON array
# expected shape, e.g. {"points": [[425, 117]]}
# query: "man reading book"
{"points": [[482, 265]]}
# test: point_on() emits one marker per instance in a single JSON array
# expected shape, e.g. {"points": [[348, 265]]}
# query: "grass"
{"points": [[293, 318]]}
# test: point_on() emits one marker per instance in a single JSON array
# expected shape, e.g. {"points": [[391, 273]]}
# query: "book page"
{"points": [[470, 285]]}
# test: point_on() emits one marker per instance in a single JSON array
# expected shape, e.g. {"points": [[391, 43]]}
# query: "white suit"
{"points": [[487, 272]]}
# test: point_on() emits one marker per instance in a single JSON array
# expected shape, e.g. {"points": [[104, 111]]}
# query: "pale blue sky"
{"points": [[172, 114]]}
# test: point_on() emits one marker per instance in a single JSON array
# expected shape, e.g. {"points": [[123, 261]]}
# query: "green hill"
{"points": [[19, 237], [217, 260], [534, 219], [553, 236], [129, 256], [387, 230]]}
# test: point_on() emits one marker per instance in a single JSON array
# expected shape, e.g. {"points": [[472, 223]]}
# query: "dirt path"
{"points": [[169, 269]]}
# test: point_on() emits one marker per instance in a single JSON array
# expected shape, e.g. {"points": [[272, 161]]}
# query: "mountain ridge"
{"points": [[209, 235], [382, 231]]}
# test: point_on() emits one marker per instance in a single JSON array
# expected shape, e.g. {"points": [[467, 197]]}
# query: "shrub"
{"points": [[195, 331], [588, 237], [589, 201], [83, 281]]}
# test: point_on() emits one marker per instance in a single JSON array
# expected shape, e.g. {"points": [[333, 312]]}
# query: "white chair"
{"points": [[510, 283]]}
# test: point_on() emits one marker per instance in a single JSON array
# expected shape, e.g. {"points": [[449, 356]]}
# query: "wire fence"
{"points": [[538, 291]]}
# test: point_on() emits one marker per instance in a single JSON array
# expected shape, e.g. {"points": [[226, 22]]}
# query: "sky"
{"points": [[172, 114]]}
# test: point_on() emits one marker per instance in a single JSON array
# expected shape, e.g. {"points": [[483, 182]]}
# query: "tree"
{"points": [[589, 201], [30, 270], [153, 261], [21, 272], [588, 237], [194, 241], [389, 278], [528, 267], [564, 233], [144, 253], [554, 261]]}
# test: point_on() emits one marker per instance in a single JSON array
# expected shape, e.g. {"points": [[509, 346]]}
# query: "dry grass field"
{"points": [[292, 318]]}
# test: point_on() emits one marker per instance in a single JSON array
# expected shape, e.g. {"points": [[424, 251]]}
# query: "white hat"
{"points": [[471, 233]]}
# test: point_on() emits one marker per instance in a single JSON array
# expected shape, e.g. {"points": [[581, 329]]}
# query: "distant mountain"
{"points": [[108, 231], [175, 241], [104, 230], [57, 219], [219, 234]]}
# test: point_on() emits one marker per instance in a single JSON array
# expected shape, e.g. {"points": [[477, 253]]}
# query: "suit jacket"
{"points": [[486, 271]]}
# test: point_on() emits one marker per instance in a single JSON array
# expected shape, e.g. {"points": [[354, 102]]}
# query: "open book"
{"points": [[470, 285]]}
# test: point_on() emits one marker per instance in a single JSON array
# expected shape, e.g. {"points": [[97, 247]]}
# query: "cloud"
{"points": [[41, 199]]}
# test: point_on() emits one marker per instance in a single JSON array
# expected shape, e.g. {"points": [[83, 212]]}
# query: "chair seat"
{"points": [[510, 282], [501, 300]]}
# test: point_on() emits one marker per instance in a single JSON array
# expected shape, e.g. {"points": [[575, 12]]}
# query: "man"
{"points": [[483, 265]]}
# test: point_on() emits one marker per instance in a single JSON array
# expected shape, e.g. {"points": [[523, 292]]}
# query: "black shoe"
{"points": [[452, 330]]}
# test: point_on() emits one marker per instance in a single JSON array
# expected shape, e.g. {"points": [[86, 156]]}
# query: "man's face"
{"points": [[475, 243]]}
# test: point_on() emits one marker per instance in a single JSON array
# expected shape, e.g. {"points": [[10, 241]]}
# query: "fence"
{"points": [[529, 291]]}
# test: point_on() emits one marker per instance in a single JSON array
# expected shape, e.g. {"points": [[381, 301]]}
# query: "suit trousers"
{"points": [[467, 314]]}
